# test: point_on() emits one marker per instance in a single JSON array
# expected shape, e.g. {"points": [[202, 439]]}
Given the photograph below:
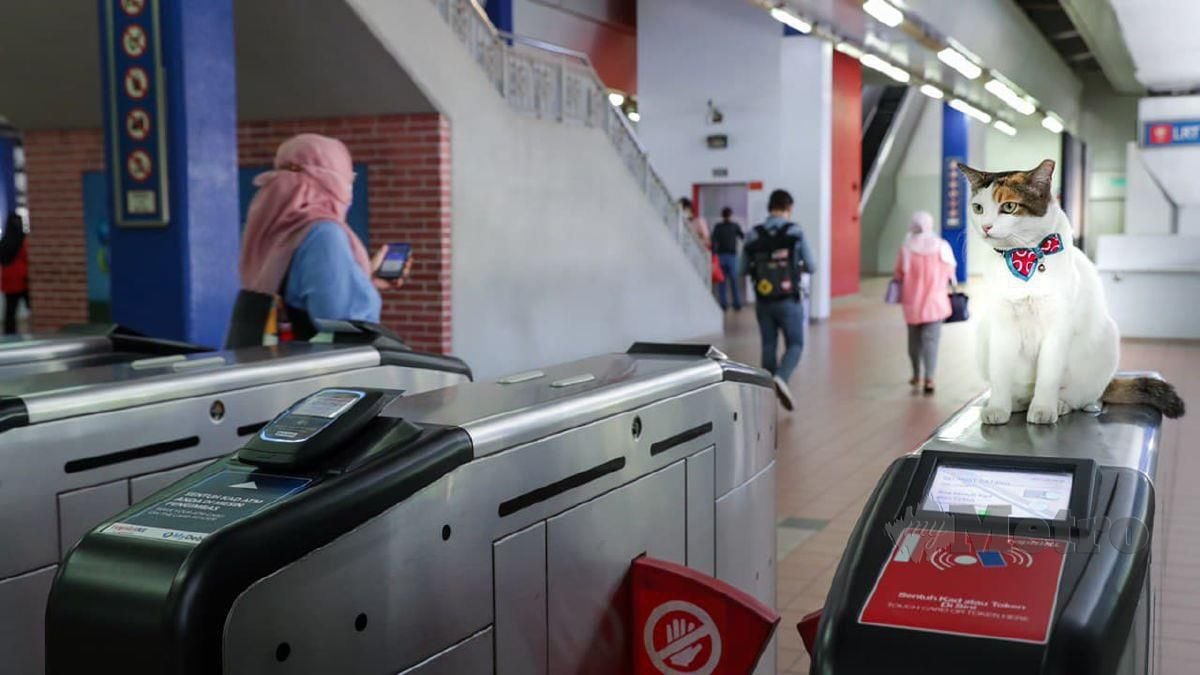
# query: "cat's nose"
{"points": [[987, 228]]}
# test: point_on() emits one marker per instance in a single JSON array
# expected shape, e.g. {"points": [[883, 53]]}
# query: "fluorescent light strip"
{"points": [[1014, 100], [967, 68], [788, 19], [849, 50], [932, 91], [884, 12], [1005, 127], [1052, 124], [970, 110], [875, 63]]}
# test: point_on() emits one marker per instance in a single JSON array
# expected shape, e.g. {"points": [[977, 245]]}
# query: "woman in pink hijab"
{"points": [[297, 243], [925, 268]]}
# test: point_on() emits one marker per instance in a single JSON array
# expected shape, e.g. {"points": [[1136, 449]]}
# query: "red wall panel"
{"points": [[845, 175]]}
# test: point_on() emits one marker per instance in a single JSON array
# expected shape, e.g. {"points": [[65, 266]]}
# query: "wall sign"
{"points": [[1170, 132], [955, 193], [137, 113]]}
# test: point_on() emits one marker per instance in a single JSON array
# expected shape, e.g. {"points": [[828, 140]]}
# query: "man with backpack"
{"points": [[775, 255]]}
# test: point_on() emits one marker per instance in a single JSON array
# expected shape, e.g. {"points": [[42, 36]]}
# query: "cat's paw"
{"points": [[1040, 413], [1063, 408], [995, 415]]}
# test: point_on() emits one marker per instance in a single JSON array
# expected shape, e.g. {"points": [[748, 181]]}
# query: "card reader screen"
{"points": [[327, 404], [1000, 492]]}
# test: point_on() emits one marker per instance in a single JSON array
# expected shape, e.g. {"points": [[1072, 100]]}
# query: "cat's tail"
{"points": [[1148, 390]]}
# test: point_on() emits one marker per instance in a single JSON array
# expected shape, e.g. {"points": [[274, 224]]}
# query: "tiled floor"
{"points": [[855, 413]]}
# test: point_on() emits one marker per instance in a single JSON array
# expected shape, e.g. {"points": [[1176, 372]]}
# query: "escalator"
{"points": [[876, 122]]}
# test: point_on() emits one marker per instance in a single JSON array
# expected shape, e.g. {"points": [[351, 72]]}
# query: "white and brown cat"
{"points": [[1047, 342]]}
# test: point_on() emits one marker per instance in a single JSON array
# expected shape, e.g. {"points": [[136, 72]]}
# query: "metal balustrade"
{"points": [[549, 82]]}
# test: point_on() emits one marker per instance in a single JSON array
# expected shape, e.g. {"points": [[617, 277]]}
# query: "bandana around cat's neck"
{"points": [[1024, 261]]}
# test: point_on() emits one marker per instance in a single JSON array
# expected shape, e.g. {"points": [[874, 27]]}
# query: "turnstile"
{"points": [[483, 528], [77, 446], [22, 355], [1003, 549]]}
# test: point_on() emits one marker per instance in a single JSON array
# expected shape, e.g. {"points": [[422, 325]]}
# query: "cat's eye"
{"points": [[1008, 207], [977, 207]]}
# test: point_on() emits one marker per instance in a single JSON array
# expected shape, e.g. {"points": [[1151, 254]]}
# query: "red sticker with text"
{"points": [[971, 584]]}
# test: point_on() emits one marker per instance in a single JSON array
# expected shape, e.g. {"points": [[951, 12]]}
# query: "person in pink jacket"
{"points": [[925, 268]]}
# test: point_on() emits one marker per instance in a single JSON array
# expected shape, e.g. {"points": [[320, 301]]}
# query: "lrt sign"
{"points": [[1170, 132]]}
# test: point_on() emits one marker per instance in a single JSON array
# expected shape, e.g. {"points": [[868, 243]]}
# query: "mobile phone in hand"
{"points": [[394, 261]]}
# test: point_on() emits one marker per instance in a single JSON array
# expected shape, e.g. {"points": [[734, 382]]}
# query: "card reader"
{"points": [[313, 428]]}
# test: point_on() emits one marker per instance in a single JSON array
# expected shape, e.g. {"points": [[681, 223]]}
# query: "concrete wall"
{"points": [[568, 259], [1107, 123], [774, 92]]}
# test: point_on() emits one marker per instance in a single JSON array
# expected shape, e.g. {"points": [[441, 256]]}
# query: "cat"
{"points": [[1047, 344]]}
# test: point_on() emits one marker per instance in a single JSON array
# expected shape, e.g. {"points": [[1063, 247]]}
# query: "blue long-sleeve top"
{"points": [[773, 223], [326, 281]]}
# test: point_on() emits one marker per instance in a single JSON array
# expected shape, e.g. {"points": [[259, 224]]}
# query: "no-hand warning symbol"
{"points": [[137, 82], [133, 40], [139, 165], [133, 7], [681, 638], [137, 124]]}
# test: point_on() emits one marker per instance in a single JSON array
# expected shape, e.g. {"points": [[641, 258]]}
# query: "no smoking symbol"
{"points": [[139, 165], [134, 41], [133, 7], [681, 639], [137, 82], [137, 124]]}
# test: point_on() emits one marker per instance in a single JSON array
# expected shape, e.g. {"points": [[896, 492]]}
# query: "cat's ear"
{"points": [[975, 177], [1040, 177]]}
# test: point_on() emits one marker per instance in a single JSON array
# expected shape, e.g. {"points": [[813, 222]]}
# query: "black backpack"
{"points": [[773, 265]]}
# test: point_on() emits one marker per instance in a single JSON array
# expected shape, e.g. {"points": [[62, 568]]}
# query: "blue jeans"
{"points": [[729, 265], [781, 315]]}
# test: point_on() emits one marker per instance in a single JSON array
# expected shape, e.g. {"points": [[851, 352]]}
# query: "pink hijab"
{"points": [[312, 181], [922, 241]]}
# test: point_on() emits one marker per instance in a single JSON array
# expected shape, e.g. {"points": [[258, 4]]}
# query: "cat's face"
{"points": [[1010, 208]]}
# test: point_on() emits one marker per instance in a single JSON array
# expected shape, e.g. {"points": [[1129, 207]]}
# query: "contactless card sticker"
{"points": [[971, 584]]}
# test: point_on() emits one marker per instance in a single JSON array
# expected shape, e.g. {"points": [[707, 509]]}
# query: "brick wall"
{"points": [[409, 191]]}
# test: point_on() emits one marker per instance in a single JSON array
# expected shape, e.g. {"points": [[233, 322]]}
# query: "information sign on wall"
{"points": [[137, 113], [1170, 132]]}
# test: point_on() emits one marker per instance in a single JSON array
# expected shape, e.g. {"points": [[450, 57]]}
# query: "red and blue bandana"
{"points": [[1023, 262]]}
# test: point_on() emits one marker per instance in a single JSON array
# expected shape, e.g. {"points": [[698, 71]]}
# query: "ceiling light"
{"points": [[932, 91], [1005, 127], [966, 67], [849, 50], [970, 110], [884, 12], [875, 63], [788, 19], [1006, 93], [635, 116], [1052, 124], [616, 98]]}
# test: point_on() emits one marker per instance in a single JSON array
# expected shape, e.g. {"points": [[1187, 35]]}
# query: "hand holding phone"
{"points": [[394, 261]]}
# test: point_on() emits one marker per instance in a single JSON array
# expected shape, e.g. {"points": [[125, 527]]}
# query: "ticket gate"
{"points": [[1016, 548], [483, 528], [22, 355], [77, 446]]}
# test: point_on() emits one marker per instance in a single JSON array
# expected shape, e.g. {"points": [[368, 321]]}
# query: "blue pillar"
{"points": [[171, 147], [955, 192], [501, 14], [8, 185]]}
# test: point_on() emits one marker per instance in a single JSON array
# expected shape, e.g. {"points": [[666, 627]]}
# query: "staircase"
{"points": [[552, 83]]}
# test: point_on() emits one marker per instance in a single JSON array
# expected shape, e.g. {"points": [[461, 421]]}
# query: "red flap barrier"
{"points": [[808, 629], [688, 623]]}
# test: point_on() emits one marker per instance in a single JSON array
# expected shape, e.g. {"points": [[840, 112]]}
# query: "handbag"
{"points": [[718, 275], [959, 309], [892, 295]]}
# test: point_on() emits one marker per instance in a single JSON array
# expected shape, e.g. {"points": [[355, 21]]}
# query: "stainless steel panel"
{"points": [[23, 622], [85, 391], [23, 349], [1120, 436], [144, 486], [519, 569], [499, 416], [746, 545], [589, 552], [701, 482], [746, 446], [81, 510], [473, 655]]}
